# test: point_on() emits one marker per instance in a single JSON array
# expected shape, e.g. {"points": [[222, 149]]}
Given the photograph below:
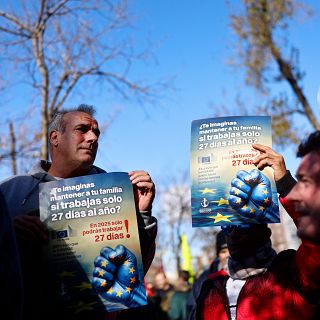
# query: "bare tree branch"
{"points": [[15, 21], [53, 45], [13, 149]]}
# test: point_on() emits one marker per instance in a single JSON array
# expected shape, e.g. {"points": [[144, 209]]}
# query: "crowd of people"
{"points": [[247, 280]]}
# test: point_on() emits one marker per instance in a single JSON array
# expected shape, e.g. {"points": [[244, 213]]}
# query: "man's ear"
{"points": [[54, 141]]}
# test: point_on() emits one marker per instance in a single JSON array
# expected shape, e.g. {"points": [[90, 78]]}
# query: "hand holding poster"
{"points": [[94, 250], [227, 189]]}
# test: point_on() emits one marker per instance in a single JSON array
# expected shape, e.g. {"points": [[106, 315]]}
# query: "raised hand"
{"points": [[116, 277], [251, 196], [269, 158], [143, 188]]}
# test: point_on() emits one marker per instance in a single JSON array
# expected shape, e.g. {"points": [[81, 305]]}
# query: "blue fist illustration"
{"points": [[116, 277], [251, 196]]}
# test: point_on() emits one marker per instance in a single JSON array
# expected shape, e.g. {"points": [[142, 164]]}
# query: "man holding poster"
{"points": [[260, 283], [73, 137]]}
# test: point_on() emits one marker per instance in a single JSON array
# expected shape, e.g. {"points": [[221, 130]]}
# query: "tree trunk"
{"points": [[13, 149]]}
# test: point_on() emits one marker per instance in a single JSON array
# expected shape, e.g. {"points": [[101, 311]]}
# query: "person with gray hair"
{"points": [[57, 122], [73, 139]]}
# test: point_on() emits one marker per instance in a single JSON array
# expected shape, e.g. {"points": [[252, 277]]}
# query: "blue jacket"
{"points": [[11, 299], [22, 198]]}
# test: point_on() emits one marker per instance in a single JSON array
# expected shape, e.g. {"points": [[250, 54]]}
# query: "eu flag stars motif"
{"points": [[119, 267], [250, 195]]}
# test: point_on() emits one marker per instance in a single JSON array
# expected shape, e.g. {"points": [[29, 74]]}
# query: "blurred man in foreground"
{"points": [[261, 284]]}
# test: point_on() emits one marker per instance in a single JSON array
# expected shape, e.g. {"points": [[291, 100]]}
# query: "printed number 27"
{"points": [[56, 216]]}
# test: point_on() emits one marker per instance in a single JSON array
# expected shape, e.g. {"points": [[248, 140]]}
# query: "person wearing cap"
{"points": [[220, 263], [222, 251], [261, 284]]}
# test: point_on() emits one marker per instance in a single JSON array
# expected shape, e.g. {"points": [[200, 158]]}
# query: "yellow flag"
{"points": [[186, 256]]}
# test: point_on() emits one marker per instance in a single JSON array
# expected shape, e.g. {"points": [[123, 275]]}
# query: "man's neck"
{"points": [[67, 172]]}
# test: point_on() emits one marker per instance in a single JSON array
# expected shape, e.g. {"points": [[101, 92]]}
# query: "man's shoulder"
{"points": [[215, 279], [37, 172], [216, 274], [96, 170], [14, 179]]}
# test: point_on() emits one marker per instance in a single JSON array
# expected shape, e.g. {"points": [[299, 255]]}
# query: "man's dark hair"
{"points": [[311, 143], [58, 124]]}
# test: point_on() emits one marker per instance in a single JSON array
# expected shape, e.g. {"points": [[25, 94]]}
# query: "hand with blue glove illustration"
{"points": [[116, 277], [251, 196]]}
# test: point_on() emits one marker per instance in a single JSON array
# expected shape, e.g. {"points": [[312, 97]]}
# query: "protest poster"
{"points": [[226, 187], [93, 253]]}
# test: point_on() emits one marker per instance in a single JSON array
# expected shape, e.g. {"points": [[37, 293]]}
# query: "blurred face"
{"points": [[223, 255], [78, 144], [160, 281], [306, 197]]}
